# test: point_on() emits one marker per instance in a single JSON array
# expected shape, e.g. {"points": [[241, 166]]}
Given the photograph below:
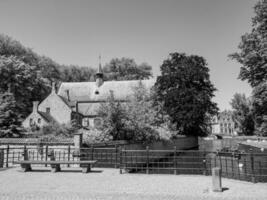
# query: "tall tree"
{"points": [[253, 58], [10, 120], [253, 48], [127, 69], [24, 82], [185, 91], [259, 102], [242, 114]]}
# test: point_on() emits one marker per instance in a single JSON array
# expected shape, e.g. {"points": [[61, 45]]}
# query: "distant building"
{"points": [[80, 101], [223, 124]]}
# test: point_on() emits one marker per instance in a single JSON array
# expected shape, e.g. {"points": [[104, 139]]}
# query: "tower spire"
{"points": [[99, 70], [99, 74]]}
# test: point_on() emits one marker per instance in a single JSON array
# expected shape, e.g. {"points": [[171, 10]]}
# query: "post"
{"points": [[1, 158], [120, 152], [253, 178], [147, 160], [46, 154], [69, 155], [204, 167], [116, 156], [7, 153], [92, 152], [175, 160], [216, 179], [78, 137]]}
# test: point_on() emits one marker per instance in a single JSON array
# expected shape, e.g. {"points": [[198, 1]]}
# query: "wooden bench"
{"points": [[55, 164]]}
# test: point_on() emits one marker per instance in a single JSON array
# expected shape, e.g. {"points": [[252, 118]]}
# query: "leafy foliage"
{"points": [[242, 114], [114, 116], [253, 51], [55, 130], [259, 102], [184, 92], [127, 69], [10, 121], [23, 80], [135, 120], [94, 135]]}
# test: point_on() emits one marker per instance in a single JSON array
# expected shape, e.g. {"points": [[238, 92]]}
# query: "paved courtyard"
{"points": [[109, 184]]}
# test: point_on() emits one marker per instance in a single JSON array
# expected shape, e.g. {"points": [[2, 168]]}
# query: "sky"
{"points": [[78, 31]]}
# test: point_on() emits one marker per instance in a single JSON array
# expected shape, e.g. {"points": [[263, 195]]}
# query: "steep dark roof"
{"points": [[47, 117]]}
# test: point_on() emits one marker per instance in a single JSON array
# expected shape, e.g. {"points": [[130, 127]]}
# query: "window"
{"points": [[86, 122], [39, 121], [48, 110], [96, 92]]}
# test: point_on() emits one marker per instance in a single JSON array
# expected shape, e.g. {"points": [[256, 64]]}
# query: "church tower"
{"points": [[99, 74]]}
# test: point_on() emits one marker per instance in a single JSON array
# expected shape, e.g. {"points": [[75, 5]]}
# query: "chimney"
{"points": [[35, 106], [53, 87], [68, 94]]}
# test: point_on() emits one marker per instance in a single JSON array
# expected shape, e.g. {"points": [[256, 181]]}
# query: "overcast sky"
{"points": [[77, 31]]}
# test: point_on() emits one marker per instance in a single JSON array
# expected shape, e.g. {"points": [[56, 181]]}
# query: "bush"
{"points": [[54, 132], [95, 136]]}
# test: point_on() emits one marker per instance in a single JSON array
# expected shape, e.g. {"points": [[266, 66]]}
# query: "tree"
{"points": [[74, 73], [10, 121], [185, 92], [114, 116], [136, 119], [141, 115], [242, 114], [127, 69], [253, 51], [23, 81], [259, 102]]}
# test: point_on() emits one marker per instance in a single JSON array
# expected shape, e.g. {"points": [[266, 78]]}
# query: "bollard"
{"points": [[216, 179]]}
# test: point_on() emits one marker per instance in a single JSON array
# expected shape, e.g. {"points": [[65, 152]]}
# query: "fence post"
{"points": [[68, 155], [1, 158], [204, 164], [92, 152], [46, 154], [120, 152], [253, 179], [147, 160], [7, 153], [175, 160], [116, 156]]}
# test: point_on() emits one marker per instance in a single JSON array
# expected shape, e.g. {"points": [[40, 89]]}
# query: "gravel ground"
{"points": [[109, 184]]}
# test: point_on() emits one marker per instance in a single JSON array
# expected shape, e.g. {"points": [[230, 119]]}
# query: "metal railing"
{"points": [[241, 166]]}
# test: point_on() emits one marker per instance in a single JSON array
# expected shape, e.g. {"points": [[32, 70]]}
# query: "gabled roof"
{"points": [[89, 91]]}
